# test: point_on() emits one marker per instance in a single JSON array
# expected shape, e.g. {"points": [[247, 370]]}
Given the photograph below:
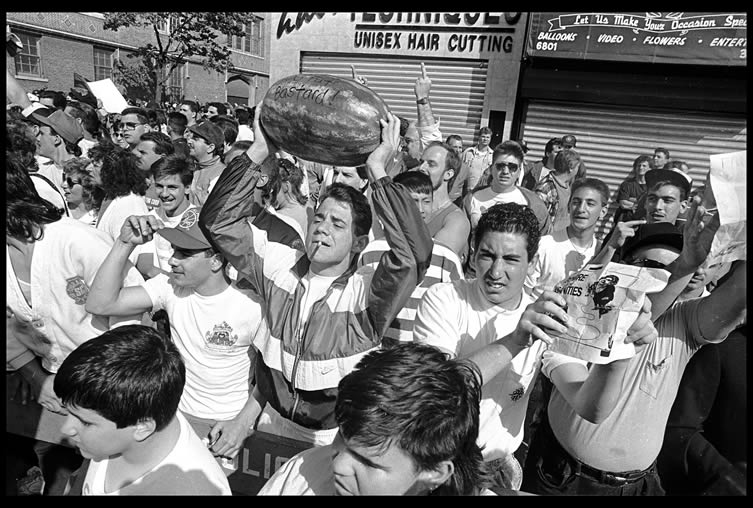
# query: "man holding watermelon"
{"points": [[323, 313]]}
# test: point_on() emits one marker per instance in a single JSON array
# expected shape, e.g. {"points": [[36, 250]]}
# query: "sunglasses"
{"points": [[511, 166], [648, 263], [129, 126], [70, 182]]}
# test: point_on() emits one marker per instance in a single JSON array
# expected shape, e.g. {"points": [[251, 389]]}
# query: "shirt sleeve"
{"points": [[159, 290], [435, 323], [429, 133]]}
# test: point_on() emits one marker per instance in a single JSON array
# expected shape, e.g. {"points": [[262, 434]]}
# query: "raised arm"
{"points": [[427, 125], [726, 307], [401, 268], [107, 296], [622, 231], [224, 216]]}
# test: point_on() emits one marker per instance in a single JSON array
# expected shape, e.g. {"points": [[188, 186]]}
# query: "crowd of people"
{"points": [[176, 282]]}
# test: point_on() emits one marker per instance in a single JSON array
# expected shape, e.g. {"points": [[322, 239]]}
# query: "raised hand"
{"points": [[423, 84], [546, 313], [139, 229], [383, 154], [642, 331], [623, 231], [357, 77], [699, 231]]}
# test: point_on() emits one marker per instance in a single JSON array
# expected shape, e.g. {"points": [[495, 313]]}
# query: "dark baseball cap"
{"points": [[187, 234], [676, 177], [661, 233], [569, 141], [210, 132]]}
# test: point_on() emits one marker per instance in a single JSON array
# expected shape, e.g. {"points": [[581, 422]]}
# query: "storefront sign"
{"points": [[656, 37], [467, 33]]}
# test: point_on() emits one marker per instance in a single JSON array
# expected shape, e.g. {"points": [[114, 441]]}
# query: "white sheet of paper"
{"points": [[728, 180], [105, 90]]}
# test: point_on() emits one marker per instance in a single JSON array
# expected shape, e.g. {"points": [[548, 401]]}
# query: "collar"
{"points": [[211, 162], [558, 182]]}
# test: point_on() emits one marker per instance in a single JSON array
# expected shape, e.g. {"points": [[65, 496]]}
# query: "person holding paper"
{"points": [[572, 456], [495, 324]]}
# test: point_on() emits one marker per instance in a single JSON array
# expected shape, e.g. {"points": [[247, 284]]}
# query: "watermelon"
{"points": [[323, 118]]}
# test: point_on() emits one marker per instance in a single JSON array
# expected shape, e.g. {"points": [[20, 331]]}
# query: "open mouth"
{"points": [[494, 285]]}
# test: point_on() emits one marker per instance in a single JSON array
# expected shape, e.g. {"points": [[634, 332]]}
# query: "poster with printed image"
{"points": [[603, 301]]}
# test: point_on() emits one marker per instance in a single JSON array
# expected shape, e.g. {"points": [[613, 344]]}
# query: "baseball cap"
{"points": [[662, 233], [569, 141], [674, 176], [63, 123], [187, 234], [209, 131]]}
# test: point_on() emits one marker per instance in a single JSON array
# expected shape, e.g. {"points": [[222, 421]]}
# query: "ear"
{"points": [[437, 476], [262, 181], [603, 212], [683, 205], [359, 243], [144, 429], [215, 262], [448, 174]]}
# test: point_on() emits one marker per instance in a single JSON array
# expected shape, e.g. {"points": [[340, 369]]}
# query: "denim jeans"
{"points": [[550, 470]]}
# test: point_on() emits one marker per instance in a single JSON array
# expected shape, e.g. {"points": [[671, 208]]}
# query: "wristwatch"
{"points": [[423, 100]]}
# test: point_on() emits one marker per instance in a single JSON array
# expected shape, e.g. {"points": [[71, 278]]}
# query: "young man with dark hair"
{"points": [[494, 323], [206, 143], [135, 123], [229, 127], [661, 158], [190, 109], [176, 128], [459, 187], [408, 419], [91, 126], [215, 109], [121, 391], [323, 314], [445, 264], [544, 166], [245, 132], [568, 250]]}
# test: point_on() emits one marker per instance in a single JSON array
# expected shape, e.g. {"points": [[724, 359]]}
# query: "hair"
{"points": [[177, 122], [120, 174], [662, 183], [26, 212], [58, 98], [359, 205], [140, 113], [414, 397], [88, 116], [415, 181], [221, 108], [485, 130], [92, 193], [509, 147], [174, 164], [286, 171], [675, 164], [549, 148], [156, 117], [99, 151], [592, 183], [163, 145], [637, 164], [192, 104], [128, 375], [566, 160], [229, 127], [453, 137], [452, 161], [242, 115], [510, 218], [19, 141], [662, 150]]}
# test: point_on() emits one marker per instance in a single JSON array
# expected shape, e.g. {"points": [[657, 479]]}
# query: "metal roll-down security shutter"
{"points": [[457, 86], [610, 138]]}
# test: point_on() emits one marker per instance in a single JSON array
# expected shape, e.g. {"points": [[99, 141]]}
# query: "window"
{"points": [[175, 83], [28, 60], [253, 40], [102, 64], [166, 25]]}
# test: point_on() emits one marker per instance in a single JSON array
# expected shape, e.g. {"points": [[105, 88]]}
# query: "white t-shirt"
{"points": [[557, 258], [457, 318], [213, 334], [189, 456], [85, 145], [245, 133], [484, 199], [118, 211]]}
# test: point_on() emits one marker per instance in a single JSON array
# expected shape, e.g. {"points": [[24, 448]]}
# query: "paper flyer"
{"points": [[725, 191], [107, 92], [603, 301]]}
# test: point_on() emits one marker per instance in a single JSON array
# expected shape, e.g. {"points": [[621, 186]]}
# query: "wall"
{"points": [[444, 35]]}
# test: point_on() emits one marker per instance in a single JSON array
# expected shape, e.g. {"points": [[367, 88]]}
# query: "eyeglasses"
{"points": [[128, 126], [70, 182], [511, 166], [648, 263]]}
